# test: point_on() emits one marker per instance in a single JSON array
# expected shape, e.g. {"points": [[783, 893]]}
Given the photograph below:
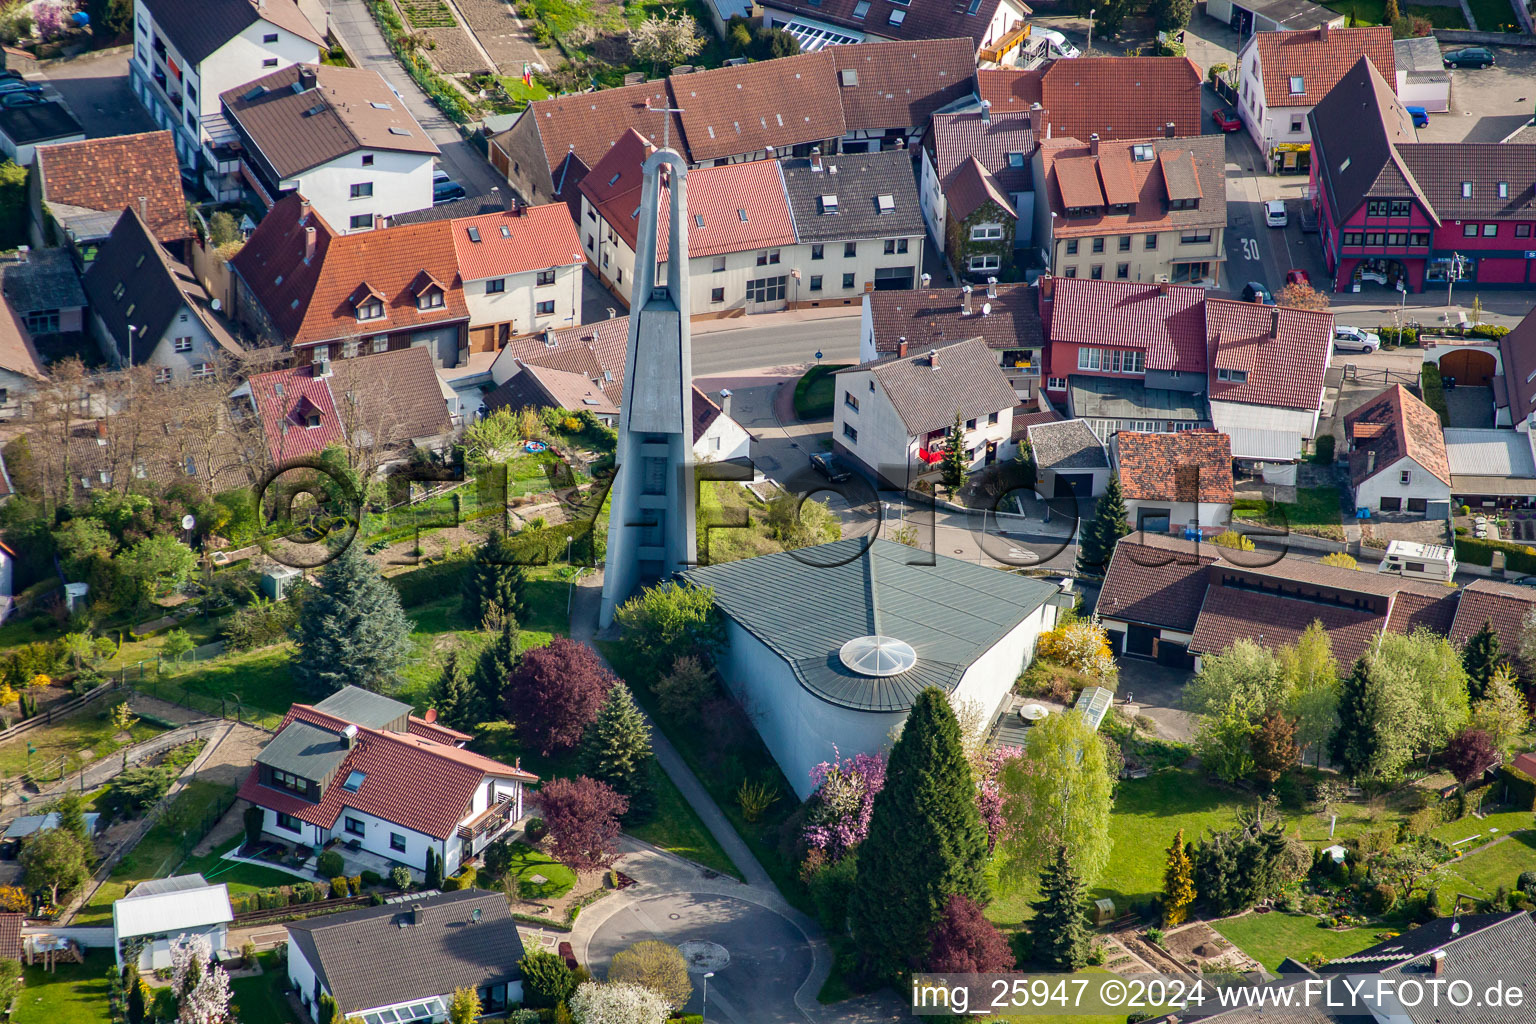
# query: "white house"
{"points": [[828, 647], [521, 271], [7, 556], [1397, 456], [1422, 80], [1175, 483], [1070, 460], [893, 416], [341, 136], [402, 961], [717, 437], [360, 768], [186, 53], [160, 911]]}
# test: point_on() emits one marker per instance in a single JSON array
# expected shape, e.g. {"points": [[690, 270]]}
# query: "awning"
{"points": [[1494, 486], [928, 456]]}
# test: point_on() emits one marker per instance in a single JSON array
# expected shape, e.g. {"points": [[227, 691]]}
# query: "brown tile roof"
{"points": [[960, 138], [596, 351], [901, 84], [1439, 168], [564, 389], [17, 353], [1320, 57], [748, 107], [1517, 351], [614, 184], [586, 125], [936, 21], [1191, 465], [1411, 611], [1155, 586], [1076, 178], [397, 393], [1168, 321], [971, 187], [1357, 129], [344, 110], [1503, 604], [10, 935], [928, 388], [116, 172], [927, 317], [1283, 351], [198, 28], [1117, 97], [533, 238], [1409, 428], [1229, 614]]}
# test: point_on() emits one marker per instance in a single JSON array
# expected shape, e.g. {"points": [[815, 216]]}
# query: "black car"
{"points": [[1468, 57], [827, 465], [21, 99], [446, 190], [1253, 291]]}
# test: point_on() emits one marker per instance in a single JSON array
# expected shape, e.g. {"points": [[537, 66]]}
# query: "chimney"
{"points": [[21, 253], [986, 111], [1168, 130], [1093, 143], [991, 287], [549, 337], [309, 243], [725, 401], [1322, 32], [101, 428], [322, 363], [1274, 323], [933, 358], [349, 734], [901, 348], [303, 209], [430, 716], [307, 78], [816, 159], [1047, 285], [144, 208], [378, 222], [770, 152], [965, 300], [901, 142], [1162, 287], [417, 917], [1370, 462], [612, 312], [927, 280], [1439, 961]]}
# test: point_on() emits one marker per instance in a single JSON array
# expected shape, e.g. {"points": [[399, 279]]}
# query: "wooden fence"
{"points": [[298, 910]]}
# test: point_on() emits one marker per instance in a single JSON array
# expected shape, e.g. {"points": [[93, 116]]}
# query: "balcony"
{"points": [[484, 828]]}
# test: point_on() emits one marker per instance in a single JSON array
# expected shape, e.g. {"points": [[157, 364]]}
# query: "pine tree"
{"points": [[1101, 533], [1355, 742], [1060, 928], [496, 581], [434, 872], [1178, 882], [1480, 657], [953, 468], [1215, 870], [926, 841], [351, 631], [72, 817], [1393, 12], [454, 696], [617, 750], [489, 677], [1274, 747]]}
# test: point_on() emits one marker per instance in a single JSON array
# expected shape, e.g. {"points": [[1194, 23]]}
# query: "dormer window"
{"points": [[885, 202], [1141, 152], [312, 420], [370, 308], [432, 298], [1015, 160], [829, 204]]}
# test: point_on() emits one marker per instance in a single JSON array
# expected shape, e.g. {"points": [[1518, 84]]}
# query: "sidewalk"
{"points": [[785, 318]]}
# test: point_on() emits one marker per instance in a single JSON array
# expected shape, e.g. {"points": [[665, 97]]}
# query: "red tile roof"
{"points": [[112, 173], [1117, 97], [1320, 57], [1230, 614], [1191, 465], [717, 196], [1408, 428], [1155, 586], [1168, 321], [959, 138], [533, 238], [971, 187], [1503, 604], [587, 124], [1283, 351], [17, 353], [748, 107], [1526, 765], [284, 399], [1089, 184], [614, 184]]}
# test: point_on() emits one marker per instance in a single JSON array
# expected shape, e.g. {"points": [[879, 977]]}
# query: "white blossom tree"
{"points": [[621, 1002], [664, 40], [202, 986]]}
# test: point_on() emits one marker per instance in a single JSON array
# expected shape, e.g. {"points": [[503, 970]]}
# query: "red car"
{"points": [[1298, 277], [1226, 119]]}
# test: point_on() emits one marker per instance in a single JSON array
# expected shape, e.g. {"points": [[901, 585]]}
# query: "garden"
{"points": [[1314, 513]]}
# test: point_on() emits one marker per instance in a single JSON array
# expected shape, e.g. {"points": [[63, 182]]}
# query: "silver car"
{"points": [[1353, 339]]}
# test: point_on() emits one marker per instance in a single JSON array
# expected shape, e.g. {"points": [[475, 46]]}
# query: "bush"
{"points": [[1234, 540], [400, 877], [372, 879], [339, 887], [1527, 883], [1394, 336], [535, 830], [831, 891], [1382, 898], [355, 884], [330, 864], [259, 625], [1518, 558], [1434, 392], [1488, 331], [1324, 450]]}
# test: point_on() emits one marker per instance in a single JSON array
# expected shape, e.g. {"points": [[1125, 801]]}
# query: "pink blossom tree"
{"points": [[989, 796], [838, 817], [48, 19]]}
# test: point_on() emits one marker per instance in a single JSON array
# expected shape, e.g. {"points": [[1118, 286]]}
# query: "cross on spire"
{"points": [[666, 126]]}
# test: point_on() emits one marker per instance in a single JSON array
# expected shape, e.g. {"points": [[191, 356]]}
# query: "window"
{"points": [[1466, 190], [432, 298], [370, 309], [1503, 190], [986, 232], [885, 203], [270, 37], [1469, 230], [544, 308], [895, 245], [992, 419], [1400, 208], [380, 344], [1194, 238], [829, 204], [1405, 477], [1122, 272], [1295, 124], [970, 424], [1490, 230], [191, 119], [46, 321], [850, 250], [1297, 85], [362, 190], [1125, 243], [1015, 159], [850, 401], [1088, 358], [717, 295], [360, 221], [718, 266], [367, 159], [1351, 238], [848, 281], [495, 286], [1151, 242], [355, 826], [1235, 376], [270, 62], [288, 822], [162, 375], [1391, 504], [546, 277], [987, 261], [1070, 272], [1142, 152], [397, 842], [1522, 231], [850, 433], [815, 282], [1098, 245], [1056, 383], [202, 370], [1420, 238], [767, 257], [182, 344], [1096, 272], [860, 9], [1071, 247], [818, 252], [897, 17]]}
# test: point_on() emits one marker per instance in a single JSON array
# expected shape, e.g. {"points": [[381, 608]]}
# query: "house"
{"points": [[1397, 459], [1149, 211], [1265, 382], [830, 645], [717, 436], [1005, 316], [1175, 483], [844, 98], [1248, 17], [597, 352], [404, 960], [542, 387], [78, 191], [1116, 97], [43, 288], [391, 402], [187, 53], [341, 136], [1490, 468], [1283, 75], [28, 825], [1422, 80], [521, 272], [360, 768], [894, 415], [149, 309], [21, 368], [23, 129], [976, 186], [1392, 211], [996, 28], [1502, 605], [162, 911], [1070, 460]]}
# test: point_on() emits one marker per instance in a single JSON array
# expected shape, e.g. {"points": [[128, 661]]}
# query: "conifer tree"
{"points": [[1100, 534], [351, 630], [434, 872], [1274, 747], [617, 750], [1355, 742], [1480, 657], [1178, 882], [1060, 928], [454, 696], [495, 581], [926, 841], [953, 467], [488, 679]]}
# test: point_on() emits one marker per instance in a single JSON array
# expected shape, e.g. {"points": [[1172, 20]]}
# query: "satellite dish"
{"points": [[986, 309], [217, 305], [187, 522]]}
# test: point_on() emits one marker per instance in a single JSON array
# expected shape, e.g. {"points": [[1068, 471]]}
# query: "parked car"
{"points": [[1468, 57], [21, 99], [828, 466], [1420, 116], [8, 85], [1253, 291], [1056, 42], [1298, 276], [10, 73], [1226, 119], [1353, 339], [1275, 215], [446, 190]]}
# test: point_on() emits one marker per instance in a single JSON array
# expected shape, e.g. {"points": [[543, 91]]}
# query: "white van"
{"points": [[1421, 561]]}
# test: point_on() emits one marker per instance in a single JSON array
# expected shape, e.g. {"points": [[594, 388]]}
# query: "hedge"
{"points": [[1394, 336], [1521, 788], [449, 100], [430, 582], [1434, 392], [1476, 551]]}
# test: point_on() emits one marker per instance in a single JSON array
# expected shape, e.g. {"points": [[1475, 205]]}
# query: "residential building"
{"points": [[1175, 483], [822, 682], [861, 207], [1422, 80], [404, 960], [1283, 75], [78, 191], [24, 128], [341, 136], [21, 368], [894, 416], [1421, 214], [43, 288], [187, 53], [1115, 97], [361, 768], [149, 309], [1249, 17], [996, 28], [844, 98], [1490, 468], [543, 387], [1109, 405], [521, 271], [162, 911], [1154, 210], [1397, 460], [1005, 316], [976, 186], [1150, 335], [1070, 460], [1504, 606], [596, 351]]}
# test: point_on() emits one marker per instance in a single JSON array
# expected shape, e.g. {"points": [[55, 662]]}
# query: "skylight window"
{"points": [[897, 17], [398, 131], [254, 93], [376, 105], [742, 214], [885, 202], [1297, 85], [860, 9], [849, 76], [354, 782], [1466, 190], [829, 204], [1503, 190], [474, 233], [1015, 159], [698, 220], [615, 178]]}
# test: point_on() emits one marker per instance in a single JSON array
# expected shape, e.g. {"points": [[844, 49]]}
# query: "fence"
{"points": [[43, 718], [1359, 375], [299, 910], [227, 706]]}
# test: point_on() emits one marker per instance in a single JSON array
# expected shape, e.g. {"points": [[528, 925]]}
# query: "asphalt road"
{"points": [[735, 349]]}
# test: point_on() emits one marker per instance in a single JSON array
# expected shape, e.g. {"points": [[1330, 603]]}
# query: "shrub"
{"points": [[1382, 898], [330, 864], [1324, 450], [372, 878], [339, 887], [1434, 392], [1340, 559], [535, 830], [401, 877], [1234, 540], [355, 885]]}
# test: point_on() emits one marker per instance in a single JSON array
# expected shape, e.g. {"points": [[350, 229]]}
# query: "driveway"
{"points": [[1157, 692], [1470, 407], [95, 86]]}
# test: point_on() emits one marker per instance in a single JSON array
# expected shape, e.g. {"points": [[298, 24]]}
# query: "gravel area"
{"points": [[454, 54], [497, 27]]}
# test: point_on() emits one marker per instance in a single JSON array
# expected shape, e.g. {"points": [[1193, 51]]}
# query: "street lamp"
{"points": [[704, 1014], [1091, 11]]}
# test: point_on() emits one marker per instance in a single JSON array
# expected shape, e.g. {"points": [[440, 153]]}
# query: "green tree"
{"points": [[153, 566], [1359, 745], [13, 205], [138, 999], [1057, 796], [1392, 12], [434, 871], [659, 966], [926, 841], [453, 695], [669, 620], [54, 860], [1311, 675], [616, 749], [954, 466], [1171, 15], [1224, 740], [71, 811], [351, 631], [1274, 747], [488, 679], [496, 583], [1178, 882], [547, 980], [1060, 928], [1480, 657], [1501, 713], [1099, 535], [329, 1012], [1246, 673], [176, 645], [464, 1007], [1430, 687], [1109, 15]]}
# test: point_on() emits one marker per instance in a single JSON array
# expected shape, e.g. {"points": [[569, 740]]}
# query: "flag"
{"points": [[527, 75]]}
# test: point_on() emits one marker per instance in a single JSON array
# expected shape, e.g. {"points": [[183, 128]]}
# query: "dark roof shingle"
{"points": [[198, 28], [927, 317], [929, 389], [860, 180], [1117, 97]]}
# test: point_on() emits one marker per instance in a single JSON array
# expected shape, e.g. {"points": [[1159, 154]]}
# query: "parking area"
{"points": [[1487, 105], [95, 86]]}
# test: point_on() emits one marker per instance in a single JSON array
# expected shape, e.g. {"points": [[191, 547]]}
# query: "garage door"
{"points": [[1174, 655], [889, 278], [1469, 367], [1073, 485], [1139, 640]]}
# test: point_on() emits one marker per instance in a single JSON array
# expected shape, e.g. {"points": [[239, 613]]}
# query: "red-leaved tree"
{"points": [[965, 942], [582, 816], [556, 692], [1470, 753]]}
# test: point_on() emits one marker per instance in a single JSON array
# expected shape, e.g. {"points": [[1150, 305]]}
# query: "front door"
{"points": [[766, 294]]}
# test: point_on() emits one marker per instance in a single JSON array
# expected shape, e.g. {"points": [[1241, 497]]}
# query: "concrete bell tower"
{"points": [[651, 525]]}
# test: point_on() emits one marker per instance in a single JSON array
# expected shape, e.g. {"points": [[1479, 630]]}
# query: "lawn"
{"points": [[815, 391], [527, 862], [259, 680], [677, 828], [71, 994], [1374, 12], [88, 731], [1481, 872], [1493, 15], [1270, 938], [238, 875], [1315, 512], [441, 630], [731, 524], [260, 999]]}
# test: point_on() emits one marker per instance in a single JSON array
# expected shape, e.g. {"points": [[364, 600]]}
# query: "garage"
{"points": [[1174, 654], [1073, 485], [1140, 640], [1468, 367], [893, 278]]}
